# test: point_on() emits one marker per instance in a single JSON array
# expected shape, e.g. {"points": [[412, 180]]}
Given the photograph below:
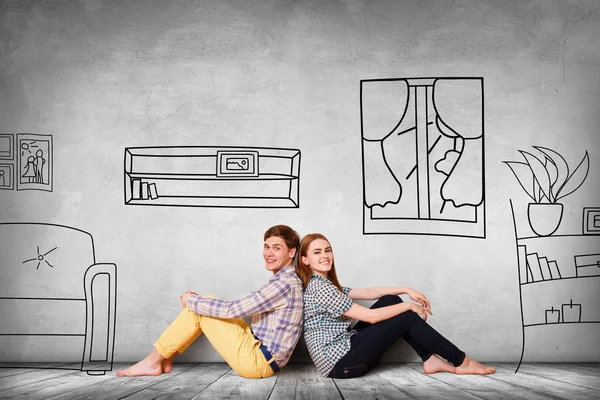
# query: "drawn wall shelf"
{"points": [[559, 284], [211, 176]]}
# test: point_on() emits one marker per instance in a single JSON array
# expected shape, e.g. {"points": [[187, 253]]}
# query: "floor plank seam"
{"points": [[209, 385], [432, 376], [274, 384], [543, 377], [338, 389]]}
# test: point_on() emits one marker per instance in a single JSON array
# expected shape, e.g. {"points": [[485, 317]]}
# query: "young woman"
{"points": [[341, 352]]}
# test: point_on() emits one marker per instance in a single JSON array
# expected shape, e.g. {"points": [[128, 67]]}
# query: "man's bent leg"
{"points": [[179, 334], [175, 339], [234, 341]]}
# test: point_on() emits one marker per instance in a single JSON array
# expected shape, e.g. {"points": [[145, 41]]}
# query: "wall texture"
{"points": [[100, 76]]}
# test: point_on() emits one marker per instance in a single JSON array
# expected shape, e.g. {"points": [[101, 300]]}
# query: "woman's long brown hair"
{"points": [[304, 271]]}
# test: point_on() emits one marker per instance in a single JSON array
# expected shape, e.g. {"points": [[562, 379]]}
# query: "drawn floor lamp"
{"points": [[56, 301], [423, 156]]}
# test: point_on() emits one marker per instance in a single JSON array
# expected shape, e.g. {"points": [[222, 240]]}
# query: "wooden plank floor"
{"points": [[301, 381]]}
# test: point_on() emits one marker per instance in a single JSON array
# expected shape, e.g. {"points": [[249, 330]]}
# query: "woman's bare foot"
{"points": [[149, 366], [436, 364], [470, 366]]}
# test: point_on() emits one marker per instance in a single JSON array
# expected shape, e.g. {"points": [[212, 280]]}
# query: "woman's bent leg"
{"points": [[389, 300], [428, 338], [371, 342]]}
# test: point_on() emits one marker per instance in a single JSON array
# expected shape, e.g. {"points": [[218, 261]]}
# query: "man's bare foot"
{"points": [[167, 365], [149, 366], [436, 364], [470, 366]]}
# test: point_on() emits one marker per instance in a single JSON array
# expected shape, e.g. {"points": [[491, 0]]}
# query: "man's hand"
{"points": [[184, 297], [419, 298]]}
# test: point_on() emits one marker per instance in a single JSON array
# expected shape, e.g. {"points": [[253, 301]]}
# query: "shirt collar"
{"points": [[285, 270]]}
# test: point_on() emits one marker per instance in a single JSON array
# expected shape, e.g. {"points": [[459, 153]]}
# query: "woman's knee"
{"points": [[389, 299]]}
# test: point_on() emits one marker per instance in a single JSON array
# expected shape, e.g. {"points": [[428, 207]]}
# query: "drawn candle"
{"points": [[552, 316], [571, 312]]}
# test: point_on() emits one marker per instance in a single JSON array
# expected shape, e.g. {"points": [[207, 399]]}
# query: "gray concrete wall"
{"points": [[101, 76]]}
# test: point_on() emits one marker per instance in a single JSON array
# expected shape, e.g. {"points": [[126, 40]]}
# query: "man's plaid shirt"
{"points": [[275, 310]]}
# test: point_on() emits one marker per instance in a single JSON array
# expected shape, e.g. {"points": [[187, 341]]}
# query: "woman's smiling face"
{"points": [[319, 257]]}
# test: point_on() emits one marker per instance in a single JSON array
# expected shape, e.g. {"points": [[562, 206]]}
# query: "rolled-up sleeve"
{"points": [[270, 297]]}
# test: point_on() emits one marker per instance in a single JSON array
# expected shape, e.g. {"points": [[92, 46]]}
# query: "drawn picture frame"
{"points": [[7, 146], [34, 162], [7, 180], [591, 221]]}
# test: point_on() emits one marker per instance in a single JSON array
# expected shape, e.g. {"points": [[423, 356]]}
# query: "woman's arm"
{"points": [[374, 315], [375, 293]]}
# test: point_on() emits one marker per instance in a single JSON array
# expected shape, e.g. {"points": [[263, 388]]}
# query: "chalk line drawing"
{"points": [[7, 177], [556, 286], [212, 176], [41, 258], [423, 156], [587, 265], [591, 220], [7, 155], [34, 162], [546, 178], [7, 146], [52, 291]]}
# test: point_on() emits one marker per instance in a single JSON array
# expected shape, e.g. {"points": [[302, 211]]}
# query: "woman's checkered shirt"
{"points": [[326, 330]]}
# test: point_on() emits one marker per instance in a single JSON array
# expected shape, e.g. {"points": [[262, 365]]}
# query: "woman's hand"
{"points": [[184, 297], [419, 298], [421, 310]]}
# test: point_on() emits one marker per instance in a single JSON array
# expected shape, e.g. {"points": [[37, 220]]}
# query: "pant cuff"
{"points": [[460, 360], [162, 351]]}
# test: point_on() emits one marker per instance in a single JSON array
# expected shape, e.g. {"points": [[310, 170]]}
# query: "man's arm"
{"points": [[270, 297]]}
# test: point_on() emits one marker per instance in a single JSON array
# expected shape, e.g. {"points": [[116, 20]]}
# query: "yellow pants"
{"points": [[232, 338]]}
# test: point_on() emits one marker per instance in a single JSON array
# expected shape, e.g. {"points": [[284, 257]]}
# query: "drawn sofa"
{"points": [[56, 303]]}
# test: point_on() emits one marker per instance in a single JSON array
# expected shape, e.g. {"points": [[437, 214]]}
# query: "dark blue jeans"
{"points": [[371, 341]]}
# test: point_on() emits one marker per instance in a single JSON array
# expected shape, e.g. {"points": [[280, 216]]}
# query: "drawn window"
{"points": [[423, 156]]}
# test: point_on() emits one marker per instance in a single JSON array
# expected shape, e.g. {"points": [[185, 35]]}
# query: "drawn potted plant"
{"points": [[547, 179]]}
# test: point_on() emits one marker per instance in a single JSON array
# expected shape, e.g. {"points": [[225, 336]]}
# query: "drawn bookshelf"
{"points": [[559, 285], [212, 176]]}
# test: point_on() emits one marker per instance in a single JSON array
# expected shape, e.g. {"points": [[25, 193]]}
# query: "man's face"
{"points": [[276, 254]]}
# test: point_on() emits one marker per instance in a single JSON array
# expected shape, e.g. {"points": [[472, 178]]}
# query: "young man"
{"points": [[255, 351]]}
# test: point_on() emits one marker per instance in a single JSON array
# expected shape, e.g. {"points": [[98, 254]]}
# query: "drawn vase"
{"points": [[544, 218]]}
